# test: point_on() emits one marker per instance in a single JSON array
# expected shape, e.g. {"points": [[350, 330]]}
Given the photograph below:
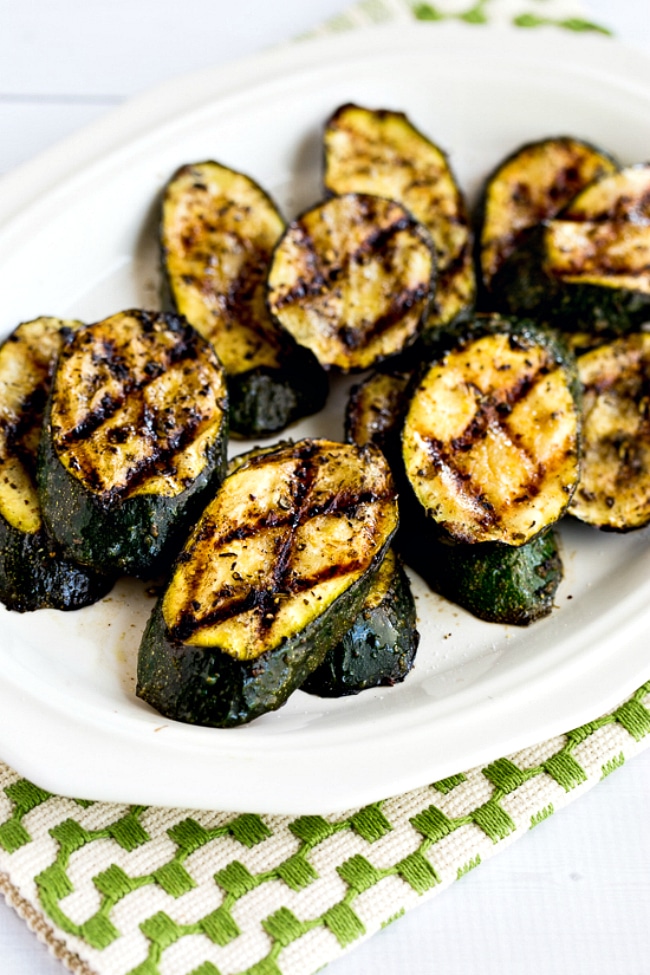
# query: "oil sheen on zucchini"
{"points": [[614, 489], [218, 230], [274, 573], [381, 152], [34, 574], [491, 437], [379, 648], [134, 440], [587, 269], [532, 185], [352, 280]]}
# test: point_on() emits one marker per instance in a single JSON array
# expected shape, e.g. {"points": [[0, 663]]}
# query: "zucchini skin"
{"points": [[522, 288], [34, 575], [137, 534], [305, 525], [204, 686], [379, 648], [497, 583], [265, 401]]}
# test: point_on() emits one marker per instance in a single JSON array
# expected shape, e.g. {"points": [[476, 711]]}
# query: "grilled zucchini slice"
{"points": [[134, 440], [588, 269], [34, 574], [614, 489], [273, 575], [375, 409], [218, 230], [352, 280], [491, 437], [381, 152], [532, 185], [379, 648]]}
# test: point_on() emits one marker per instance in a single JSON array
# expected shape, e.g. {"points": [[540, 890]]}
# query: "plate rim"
{"points": [[50, 172]]}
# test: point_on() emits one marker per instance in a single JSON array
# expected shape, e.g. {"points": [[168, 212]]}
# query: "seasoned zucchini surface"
{"points": [[381, 152], [34, 574], [352, 279], [491, 437], [588, 269], [614, 488], [379, 648], [273, 575], [218, 230], [135, 434], [530, 186]]}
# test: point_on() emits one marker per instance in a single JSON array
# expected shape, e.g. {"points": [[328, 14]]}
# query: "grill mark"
{"points": [[267, 601], [493, 413], [401, 304], [262, 599], [320, 274], [185, 350]]}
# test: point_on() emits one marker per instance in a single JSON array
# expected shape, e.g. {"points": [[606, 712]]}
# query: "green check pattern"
{"points": [[131, 890]]}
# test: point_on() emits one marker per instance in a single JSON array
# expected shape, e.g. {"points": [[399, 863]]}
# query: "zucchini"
{"points": [[34, 574], [381, 152], [352, 279], [272, 576], [532, 185], [498, 583], [379, 648], [614, 489], [588, 269], [218, 230], [491, 437], [134, 440], [375, 409]]}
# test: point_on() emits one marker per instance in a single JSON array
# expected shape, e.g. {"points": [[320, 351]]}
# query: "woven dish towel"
{"points": [[128, 890]]}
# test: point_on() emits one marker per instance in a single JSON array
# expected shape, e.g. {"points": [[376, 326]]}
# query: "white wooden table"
{"points": [[573, 895]]}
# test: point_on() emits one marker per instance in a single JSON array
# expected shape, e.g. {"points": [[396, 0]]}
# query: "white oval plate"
{"points": [[78, 239]]}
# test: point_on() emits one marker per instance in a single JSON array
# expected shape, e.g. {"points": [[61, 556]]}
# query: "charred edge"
{"points": [[319, 275]]}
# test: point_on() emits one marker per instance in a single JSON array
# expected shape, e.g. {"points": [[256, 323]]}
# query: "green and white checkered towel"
{"points": [[128, 890]]}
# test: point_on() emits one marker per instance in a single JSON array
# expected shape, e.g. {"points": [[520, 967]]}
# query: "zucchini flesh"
{"points": [[614, 489], [218, 230], [381, 152], [273, 575], [531, 186], [352, 279], [491, 438], [588, 269], [34, 573], [379, 648], [135, 435]]}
